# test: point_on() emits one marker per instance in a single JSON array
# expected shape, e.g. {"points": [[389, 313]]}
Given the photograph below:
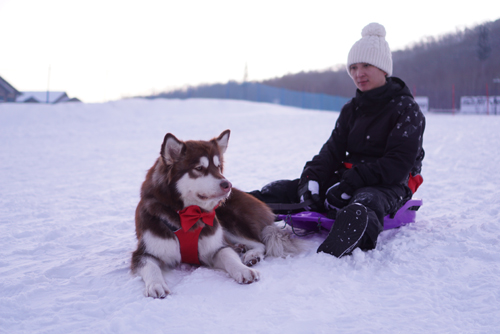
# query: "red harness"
{"points": [[188, 239]]}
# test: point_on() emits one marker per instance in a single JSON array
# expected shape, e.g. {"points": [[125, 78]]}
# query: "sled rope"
{"points": [[288, 221]]}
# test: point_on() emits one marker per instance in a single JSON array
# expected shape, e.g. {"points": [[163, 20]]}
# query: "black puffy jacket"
{"points": [[380, 133]]}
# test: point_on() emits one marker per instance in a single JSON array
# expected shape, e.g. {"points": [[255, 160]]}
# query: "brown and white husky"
{"points": [[190, 213]]}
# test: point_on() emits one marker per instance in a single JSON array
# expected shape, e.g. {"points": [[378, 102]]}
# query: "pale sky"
{"points": [[100, 50]]}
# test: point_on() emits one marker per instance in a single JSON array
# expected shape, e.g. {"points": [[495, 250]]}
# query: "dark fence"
{"points": [[260, 93]]}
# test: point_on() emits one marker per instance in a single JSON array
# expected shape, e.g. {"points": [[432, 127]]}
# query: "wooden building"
{"points": [[43, 97], [7, 92]]}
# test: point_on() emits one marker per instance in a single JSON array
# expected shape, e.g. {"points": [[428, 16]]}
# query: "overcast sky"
{"points": [[99, 50]]}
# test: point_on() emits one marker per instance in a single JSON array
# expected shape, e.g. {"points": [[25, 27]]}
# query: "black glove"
{"points": [[310, 191], [353, 180], [338, 195]]}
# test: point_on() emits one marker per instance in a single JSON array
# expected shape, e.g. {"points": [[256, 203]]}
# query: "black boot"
{"points": [[346, 233]]}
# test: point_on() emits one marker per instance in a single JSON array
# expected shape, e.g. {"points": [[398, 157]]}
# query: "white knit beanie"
{"points": [[372, 49]]}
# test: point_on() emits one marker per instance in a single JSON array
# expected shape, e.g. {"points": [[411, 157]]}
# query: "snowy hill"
{"points": [[69, 182]]}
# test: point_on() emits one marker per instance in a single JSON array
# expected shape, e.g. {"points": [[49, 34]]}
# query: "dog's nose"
{"points": [[225, 185]]}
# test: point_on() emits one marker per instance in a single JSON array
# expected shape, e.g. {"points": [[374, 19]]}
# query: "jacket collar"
{"points": [[381, 95]]}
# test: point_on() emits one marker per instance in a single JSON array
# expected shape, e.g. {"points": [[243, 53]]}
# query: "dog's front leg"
{"points": [[156, 286], [227, 259]]}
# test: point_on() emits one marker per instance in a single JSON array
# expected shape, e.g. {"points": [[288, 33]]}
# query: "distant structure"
{"points": [[9, 94], [423, 103], [253, 91], [480, 105], [41, 97]]}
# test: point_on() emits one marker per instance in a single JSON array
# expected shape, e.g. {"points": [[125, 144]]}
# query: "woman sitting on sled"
{"points": [[371, 163]]}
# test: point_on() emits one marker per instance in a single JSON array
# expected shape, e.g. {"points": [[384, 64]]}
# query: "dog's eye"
{"points": [[198, 168]]}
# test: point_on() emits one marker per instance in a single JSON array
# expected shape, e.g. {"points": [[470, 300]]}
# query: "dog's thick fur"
{"points": [[190, 173]]}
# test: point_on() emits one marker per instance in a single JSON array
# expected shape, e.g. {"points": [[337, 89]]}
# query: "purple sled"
{"points": [[310, 220]]}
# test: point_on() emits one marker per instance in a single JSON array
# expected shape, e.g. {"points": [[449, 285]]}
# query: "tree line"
{"points": [[444, 68], [463, 63]]}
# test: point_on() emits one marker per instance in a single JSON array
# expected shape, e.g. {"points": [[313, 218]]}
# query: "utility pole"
{"points": [[245, 75], [48, 83], [453, 99], [487, 100], [497, 98]]}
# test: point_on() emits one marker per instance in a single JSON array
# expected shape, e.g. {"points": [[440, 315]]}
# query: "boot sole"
{"points": [[349, 228]]}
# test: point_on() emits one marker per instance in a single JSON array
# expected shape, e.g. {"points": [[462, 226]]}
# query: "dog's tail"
{"points": [[278, 242]]}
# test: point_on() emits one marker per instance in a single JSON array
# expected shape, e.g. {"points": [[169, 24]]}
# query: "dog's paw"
{"points": [[157, 290], [252, 257], [240, 248], [252, 262], [246, 276]]}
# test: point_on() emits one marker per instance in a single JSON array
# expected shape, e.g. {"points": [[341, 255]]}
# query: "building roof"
{"points": [[41, 97], [8, 87]]}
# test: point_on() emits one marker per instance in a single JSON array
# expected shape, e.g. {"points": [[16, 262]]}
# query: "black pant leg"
{"points": [[380, 201], [281, 191]]}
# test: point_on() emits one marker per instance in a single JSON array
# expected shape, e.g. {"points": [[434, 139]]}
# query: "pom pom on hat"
{"points": [[372, 49], [373, 29]]}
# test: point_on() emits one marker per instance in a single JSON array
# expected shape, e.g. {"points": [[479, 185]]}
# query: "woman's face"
{"points": [[367, 77]]}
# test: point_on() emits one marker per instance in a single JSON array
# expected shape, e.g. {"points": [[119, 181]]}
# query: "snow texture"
{"points": [[69, 182]]}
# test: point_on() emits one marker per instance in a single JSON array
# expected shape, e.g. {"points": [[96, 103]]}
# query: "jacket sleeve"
{"points": [[404, 145], [323, 166]]}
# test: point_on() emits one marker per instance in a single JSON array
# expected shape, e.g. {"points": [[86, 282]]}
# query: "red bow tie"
{"points": [[191, 214]]}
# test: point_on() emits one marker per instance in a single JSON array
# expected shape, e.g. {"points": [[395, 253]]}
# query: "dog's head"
{"points": [[196, 169]]}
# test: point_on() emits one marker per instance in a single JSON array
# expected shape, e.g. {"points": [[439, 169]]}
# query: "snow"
{"points": [[69, 182]]}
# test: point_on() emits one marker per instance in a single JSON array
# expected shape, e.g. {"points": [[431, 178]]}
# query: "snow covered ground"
{"points": [[69, 182]]}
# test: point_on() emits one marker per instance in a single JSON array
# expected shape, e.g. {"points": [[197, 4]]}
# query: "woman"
{"points": [[371, 163]]}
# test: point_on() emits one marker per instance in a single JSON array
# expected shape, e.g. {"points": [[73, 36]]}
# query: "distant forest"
{"points": [[444, 68], [464, 63]]}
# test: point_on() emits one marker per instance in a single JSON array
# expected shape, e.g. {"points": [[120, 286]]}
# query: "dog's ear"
{"points": [[222, 141], [171, 149]]}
